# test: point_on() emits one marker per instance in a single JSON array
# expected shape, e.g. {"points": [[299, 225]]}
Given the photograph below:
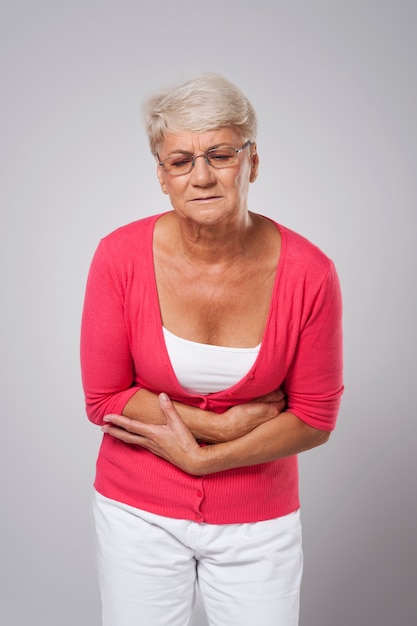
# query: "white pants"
{"points": [[248, 574]]}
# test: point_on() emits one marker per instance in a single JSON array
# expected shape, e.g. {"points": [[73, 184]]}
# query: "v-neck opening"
{"points": [[278, 272]]}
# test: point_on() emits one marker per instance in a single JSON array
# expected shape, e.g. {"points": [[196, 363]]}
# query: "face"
{"points": [[207, 195]]}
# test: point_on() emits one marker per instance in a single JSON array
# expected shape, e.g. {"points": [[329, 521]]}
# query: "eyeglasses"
{"points": [[183, 162]]}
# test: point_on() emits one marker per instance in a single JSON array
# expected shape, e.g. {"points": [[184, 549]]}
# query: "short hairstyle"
{"points": [[205, 102]]}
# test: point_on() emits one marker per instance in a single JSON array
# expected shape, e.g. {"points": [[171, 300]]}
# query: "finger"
{"points": [[133, 426], [168, 409], [273, 396], [125, 436], [164, 401], [277, 395], [175, 425]]}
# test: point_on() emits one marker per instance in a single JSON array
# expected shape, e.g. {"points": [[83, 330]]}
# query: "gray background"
{"points": [[334, 84]]}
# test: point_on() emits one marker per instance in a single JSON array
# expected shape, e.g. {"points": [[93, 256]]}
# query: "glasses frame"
{"points": [[206, 156]]}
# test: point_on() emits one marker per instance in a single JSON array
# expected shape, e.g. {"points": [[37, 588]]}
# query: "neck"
{"points": [[215, 244]]}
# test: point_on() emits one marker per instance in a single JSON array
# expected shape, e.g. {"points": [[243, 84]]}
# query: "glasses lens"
{"points": [[216, 157], [180, 164], [222, 157]]}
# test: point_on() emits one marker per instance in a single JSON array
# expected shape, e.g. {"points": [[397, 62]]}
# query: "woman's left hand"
{"points": [[172, 441]]}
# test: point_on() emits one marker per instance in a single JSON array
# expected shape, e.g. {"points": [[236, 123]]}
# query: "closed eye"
{"points": [[178, 162], [225, 155]]}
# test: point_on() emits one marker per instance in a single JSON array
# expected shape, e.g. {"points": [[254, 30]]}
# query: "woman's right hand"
{"points": [[242, 418]]}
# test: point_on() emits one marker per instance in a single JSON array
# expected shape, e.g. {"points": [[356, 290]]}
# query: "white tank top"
{"points": [[203, 368]]}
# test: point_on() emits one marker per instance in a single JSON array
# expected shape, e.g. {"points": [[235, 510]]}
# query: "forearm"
{"points": [[206, 426], [277, 438]]}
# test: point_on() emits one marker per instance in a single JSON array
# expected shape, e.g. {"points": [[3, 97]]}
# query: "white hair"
{"points": [[206, 102]]}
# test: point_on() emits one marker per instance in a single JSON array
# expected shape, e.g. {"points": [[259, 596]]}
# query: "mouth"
{"points": [[205, 198]]}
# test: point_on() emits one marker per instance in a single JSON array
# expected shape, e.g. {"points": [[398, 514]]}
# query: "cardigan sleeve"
{"points": [[106, 361], [314, 380]]}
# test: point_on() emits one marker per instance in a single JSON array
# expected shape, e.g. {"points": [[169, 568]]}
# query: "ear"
{"points": [[254, 158], [160, 174]]}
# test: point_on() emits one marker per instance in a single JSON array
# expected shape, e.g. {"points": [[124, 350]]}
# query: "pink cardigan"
{"points": [[123, 349]]}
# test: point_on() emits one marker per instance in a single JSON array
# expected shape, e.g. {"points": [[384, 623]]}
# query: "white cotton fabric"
{"points": [[203, 368], [149, 566]]}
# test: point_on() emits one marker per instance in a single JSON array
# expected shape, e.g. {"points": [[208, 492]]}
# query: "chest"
{"points": [[225, 306]]}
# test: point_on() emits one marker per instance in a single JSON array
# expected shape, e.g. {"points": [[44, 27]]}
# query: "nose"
{"points": [[202, 173]]}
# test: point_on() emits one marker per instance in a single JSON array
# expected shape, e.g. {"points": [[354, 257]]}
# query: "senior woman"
{"points": [[196, 324]]}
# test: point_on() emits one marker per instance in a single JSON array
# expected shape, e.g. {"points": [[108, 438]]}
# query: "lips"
{"points": [[202, 199]]}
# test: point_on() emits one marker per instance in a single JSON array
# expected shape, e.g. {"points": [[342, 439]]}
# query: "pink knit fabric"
{"points": [[123, 349]]}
